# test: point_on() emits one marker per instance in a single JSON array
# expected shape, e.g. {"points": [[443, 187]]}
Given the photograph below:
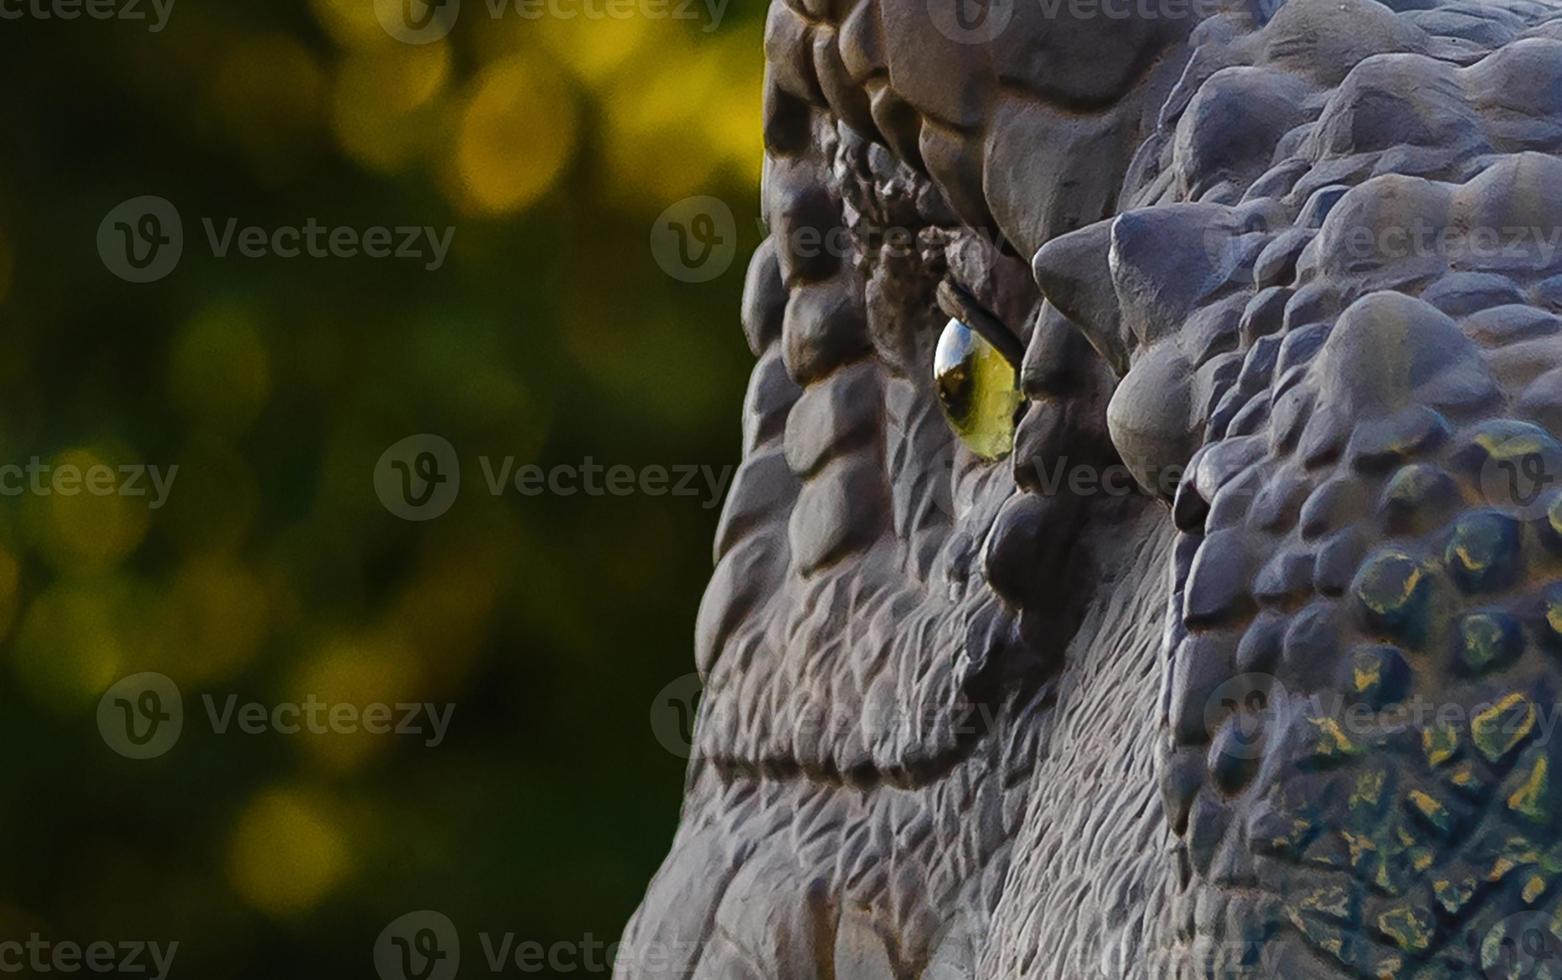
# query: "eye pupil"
{"points": [[954, 391], [976, 387]]}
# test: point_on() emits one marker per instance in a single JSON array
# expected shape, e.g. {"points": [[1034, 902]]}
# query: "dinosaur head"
{"points": [[966, 715], [893, 507]]}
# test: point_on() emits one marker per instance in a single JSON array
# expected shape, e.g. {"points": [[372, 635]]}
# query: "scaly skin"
{"points": [[1284, 710]]}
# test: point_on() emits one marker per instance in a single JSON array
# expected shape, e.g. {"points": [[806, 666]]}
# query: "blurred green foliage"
{"points": [[275, 384]]}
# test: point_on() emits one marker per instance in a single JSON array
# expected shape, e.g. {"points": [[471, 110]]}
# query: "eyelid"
{"points": [[960, 304]]}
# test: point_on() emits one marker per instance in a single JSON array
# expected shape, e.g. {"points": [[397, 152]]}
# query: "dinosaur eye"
{"points": [[977, 388]]}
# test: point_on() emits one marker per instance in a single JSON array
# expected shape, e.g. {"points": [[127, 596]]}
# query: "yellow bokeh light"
{"points": [[358, 672], [386, 106], [351, 23], [669, 132], [518, 133], [594, 50], [445, 611], [287, 853], [214, 618], [10, 588], [735, 122], [267, 97], [68, 650], [81, 511], [218, 370]]}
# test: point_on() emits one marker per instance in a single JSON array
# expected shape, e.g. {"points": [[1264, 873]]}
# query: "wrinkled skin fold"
{"points": [[1278, 703]]}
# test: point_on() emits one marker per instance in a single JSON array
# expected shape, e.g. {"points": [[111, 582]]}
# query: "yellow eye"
{"points": [[977, 387]]}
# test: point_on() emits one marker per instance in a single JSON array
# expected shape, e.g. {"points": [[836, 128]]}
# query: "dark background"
{"points": [[274, 572]]}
